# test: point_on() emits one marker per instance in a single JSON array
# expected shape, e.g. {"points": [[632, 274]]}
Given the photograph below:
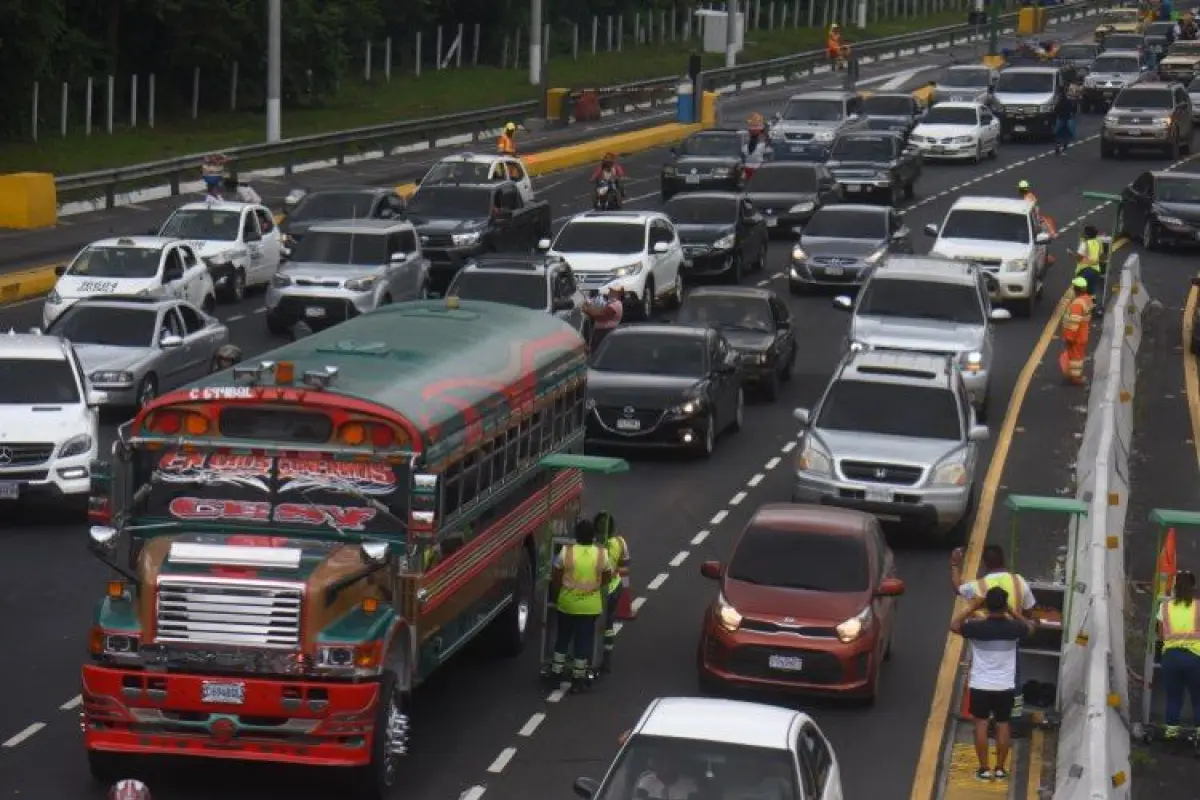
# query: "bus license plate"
{"points": [[314, 311], [10, 491], [231, 694], [629, 425], [878, 495], [786, 663]]}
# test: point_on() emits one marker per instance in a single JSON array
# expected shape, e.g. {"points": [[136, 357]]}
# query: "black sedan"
{"points": [[326, 205], [721, 232], [1161, 209], [893, 112], [664, 386], [758, 325], [708, 160], [842, 244], [787, 193]]}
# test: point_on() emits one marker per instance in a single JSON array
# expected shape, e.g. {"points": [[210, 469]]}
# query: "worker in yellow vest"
{"points": [[1179, 626], [994, 573], [581, 572], [617, 550], [1089, 260]]}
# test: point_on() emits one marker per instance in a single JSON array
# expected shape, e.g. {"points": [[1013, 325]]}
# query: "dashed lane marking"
{"points": [[789, 447], [506, 755], [679, 558], [531, 725], [556, 696], [756, 480], [637, 604], [718, 517], [737, 499], [699, 538], [23, 735], [474, 793], [772, 464], [71, 704], [658, 581]]}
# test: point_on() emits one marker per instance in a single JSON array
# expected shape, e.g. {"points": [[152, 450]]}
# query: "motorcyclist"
{"points": [[227, 356], [129, 789], [757, 144], [609, 171]]}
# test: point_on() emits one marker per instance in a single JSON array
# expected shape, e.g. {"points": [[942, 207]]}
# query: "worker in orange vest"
{"points": [[506, 145], [1076, 327], [833, 45]]}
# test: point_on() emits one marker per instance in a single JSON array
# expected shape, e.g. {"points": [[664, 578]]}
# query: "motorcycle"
{"points": [[608, 196]]}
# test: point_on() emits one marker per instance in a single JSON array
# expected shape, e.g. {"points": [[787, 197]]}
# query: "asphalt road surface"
{"points": [[487, 725]]}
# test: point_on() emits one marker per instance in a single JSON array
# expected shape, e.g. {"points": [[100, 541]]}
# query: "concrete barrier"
{"points": [[28, 201]]}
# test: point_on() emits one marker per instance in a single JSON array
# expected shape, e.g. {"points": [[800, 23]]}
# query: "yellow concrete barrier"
{"points": [[27, 201], [995, 62], [19, 286]]}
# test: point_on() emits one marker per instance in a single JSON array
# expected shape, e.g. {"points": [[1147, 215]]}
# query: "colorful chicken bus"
{"points": [[298, 543]]}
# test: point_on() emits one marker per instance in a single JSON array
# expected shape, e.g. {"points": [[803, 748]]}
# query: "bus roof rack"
{"points": [[601, 465]]}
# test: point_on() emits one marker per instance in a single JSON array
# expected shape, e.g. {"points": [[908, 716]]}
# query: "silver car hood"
{"points": [[329, 272], [930, 336], [107, 357], [857, 446], [804, 125]]}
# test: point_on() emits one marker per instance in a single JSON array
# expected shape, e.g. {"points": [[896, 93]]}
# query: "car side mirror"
{"points": [[1043, 238], [711, 570], [1000, 314], [96, 399], [899, 234], [60, 270], [170, 342], [103, 538], [890, 587], [979, 433], [661, 247], [801, 415], [285, 254], [586, 788], [931, 230], [399, 258], [843, 302], [417, 182], [543, 244]]}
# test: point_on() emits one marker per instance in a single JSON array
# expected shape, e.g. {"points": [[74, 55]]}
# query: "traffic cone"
{"points": [[625, 610]]}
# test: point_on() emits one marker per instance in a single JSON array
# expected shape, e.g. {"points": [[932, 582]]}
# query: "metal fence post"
{"points": [[111, 106], [387, 60], [87, 108], [575, 41], [417, 57], [233, 81], [36, 92], [610, 33], [195, 92], [545, 44], [438, 61], [475, 49], [620, 32], [459, 47], [133, 101], [150, 110], [367, 63], [66, 97]]}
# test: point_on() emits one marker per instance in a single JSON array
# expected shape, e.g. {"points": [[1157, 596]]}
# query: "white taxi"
{"points": [[474, 168], [957, 130], [238, 242], [145, 266]]}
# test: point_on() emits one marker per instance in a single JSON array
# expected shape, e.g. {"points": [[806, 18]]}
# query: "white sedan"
{"points": [[957, 131]]}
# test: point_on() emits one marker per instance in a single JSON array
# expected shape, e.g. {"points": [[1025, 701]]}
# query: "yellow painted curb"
{"points": [[25, 285], [995, 62]]}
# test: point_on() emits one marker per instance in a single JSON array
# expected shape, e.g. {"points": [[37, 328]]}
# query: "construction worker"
{"points": [[1044, 222], [618, 557], [1089, 260], [994, 573], [1179, 629], [581, 572], [1076, 327], [833, 45], [506, 145]]}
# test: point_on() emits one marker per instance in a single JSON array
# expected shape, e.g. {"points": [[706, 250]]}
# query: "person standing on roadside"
{"points": [[1075, 332], [1065, 112], [1179, 628], [992, 680], [607, 315], [581, 572]]}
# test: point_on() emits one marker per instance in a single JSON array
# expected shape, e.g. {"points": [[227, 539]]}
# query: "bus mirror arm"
{"points": [[127, 574], [336, 588]]}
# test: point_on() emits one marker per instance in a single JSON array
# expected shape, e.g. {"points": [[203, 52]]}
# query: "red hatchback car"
{"points": [[807, 604]]}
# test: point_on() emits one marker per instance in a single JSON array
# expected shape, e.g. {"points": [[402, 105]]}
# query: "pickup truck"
{"points": [[239, 243], [875, 163], [457, 222]]}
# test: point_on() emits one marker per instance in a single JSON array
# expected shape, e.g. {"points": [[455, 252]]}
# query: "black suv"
{"points": [[1149, 115], [535, 281]]}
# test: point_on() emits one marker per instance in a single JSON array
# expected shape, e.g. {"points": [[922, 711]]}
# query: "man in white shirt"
{"points": [[665, 781]]}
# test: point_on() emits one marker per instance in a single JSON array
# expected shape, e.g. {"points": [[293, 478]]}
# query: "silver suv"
{"points": [[930, 305], [893, 435], [966, 83], [806, 127]]}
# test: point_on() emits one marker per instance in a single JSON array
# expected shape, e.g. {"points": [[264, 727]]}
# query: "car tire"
{"points": [[981, 413], [897, 196], [646, 309], [760, 263], [739, 412], [1024, 308], [1186, 144], [375, 780], [1173, 148], [675, 298], [509, 632], [734, 274], [1149, 236], [910, 190], [962, 529], [1122, 228], [770, 388], [790, 367], [108, 768], [236, 292], [978, 153], [209, 306], [704, 448], [147, 391]]}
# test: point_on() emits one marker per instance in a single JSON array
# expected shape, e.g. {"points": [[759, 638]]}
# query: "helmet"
{"points": [[1090, 231], [510, 127], [228, 355], [1023, 186], [609, 157], [1080, 283], [835, 27], [129, 789]]}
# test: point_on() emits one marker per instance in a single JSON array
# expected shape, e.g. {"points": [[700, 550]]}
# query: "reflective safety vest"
{"points": [[1006, 581], [834, 44], [1077, 319], [618, 553], [1094, 251], [1181, 627], [583, 573], [505, 145]]}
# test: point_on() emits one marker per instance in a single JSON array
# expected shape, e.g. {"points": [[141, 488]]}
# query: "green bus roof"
{"points": [[429, 362]]}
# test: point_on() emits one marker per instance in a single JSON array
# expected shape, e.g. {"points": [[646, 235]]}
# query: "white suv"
{"points": [[1002, 236], [48, 419], [638, 250]]}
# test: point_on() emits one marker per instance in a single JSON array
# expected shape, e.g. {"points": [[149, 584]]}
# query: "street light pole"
{"points": [[535, 42], [731, 7], [994, 28], [274, 45]]}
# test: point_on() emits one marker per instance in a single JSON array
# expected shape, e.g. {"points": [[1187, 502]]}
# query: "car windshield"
{"points": [[526, 291], [1178, 190], [333, 205], [612, 238], [351, 249], [966, 79], [783, 178], [847, 224], [1143, 98], [461, 172], [110, 326], [730, 312], [814, 110], [116, 262], [207, 224], [943, 115], [452, 202], [37, 381], [888, 106], [996, 226], [1076, 52], [932, 300], [863, 148], [712, 144], [1123, 41], [818, 562], [1025, 82], [891, 409], [715, 769], [1118, 64], [684, 210], [674, 355]]}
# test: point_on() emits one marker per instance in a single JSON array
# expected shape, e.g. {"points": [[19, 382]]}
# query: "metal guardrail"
{"points": [[341, 144]]}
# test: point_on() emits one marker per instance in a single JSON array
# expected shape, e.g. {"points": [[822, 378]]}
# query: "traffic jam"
{"points": [[323, 448]]}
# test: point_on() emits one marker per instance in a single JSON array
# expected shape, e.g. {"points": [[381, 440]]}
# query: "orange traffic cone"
{"points": [[625, 610]]}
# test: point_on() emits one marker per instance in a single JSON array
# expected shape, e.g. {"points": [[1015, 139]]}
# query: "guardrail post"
{"points": [[66, 97], [417, 57], [150, 111], [87, 109], [620, 32], [133, 101], [233, 81], [195, 92], [387, 60], [438, 61], [367, 63], [475, 48], [575, 41], [110, 107], [34, 127]]}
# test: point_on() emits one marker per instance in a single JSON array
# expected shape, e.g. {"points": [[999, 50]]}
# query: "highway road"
{"points": [[489, 727]]}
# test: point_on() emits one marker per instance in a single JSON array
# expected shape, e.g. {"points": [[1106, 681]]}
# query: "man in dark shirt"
{"points": [[1064, 122], [991, 682]]}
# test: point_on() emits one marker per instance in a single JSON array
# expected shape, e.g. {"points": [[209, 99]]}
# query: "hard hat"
{"points": [[129, 789], [834, 26], [1023, 186], [1080, 283], [609, 157], [510, 127], [755, 119]]}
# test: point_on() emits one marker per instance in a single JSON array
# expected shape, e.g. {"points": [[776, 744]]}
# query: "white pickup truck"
{"points": [[238, 242]]}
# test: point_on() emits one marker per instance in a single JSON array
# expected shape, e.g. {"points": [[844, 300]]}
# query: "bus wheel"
{"points": [[509, 630], [389, 744]]}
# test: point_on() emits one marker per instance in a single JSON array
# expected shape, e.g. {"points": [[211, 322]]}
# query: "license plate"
{"points": [[798, 148], [1019, 128], [1135, 131], [878, 495], [852, 187], [939, 149], [10, 491], [231, 694], [693, 179], [1109, 95], [314, 311], [772, 222], [835, 271], [629, 425], [786, 663]]}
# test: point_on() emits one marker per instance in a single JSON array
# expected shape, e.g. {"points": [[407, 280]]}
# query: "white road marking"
{"points": [[23, 735], [658, 581], [617, 627], [763, 282], [718, 517], [236, 317], [556, 696], [531, 725], [756, 480], [474, 793], [637, 604], [71, 704], [506, 755], [699, 538], [260, 310], [789, 447], [679, 558], [772, 464], [737, 499]]}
